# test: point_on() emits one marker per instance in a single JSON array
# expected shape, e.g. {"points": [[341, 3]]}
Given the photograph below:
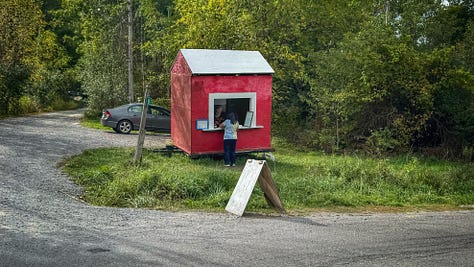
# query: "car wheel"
{"points": [[124, 126]]}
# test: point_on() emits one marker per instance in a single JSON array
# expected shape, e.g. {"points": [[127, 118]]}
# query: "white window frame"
{"points": [[252, 96]]}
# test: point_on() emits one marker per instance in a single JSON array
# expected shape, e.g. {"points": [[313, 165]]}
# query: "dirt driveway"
{"points": [[43, 224]]}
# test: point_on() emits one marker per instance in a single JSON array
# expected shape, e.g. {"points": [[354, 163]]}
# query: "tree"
{"points": [[98, 31], [49, 80], [20, 23], [158, 46], [373, 88], [380, 75], [103, 65]]}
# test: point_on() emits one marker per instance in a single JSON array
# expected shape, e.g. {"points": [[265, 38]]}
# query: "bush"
{"points": [[382, 142], [29, 104]]}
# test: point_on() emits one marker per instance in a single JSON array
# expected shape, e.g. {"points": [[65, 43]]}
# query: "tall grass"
{"points": [[305, 181]]}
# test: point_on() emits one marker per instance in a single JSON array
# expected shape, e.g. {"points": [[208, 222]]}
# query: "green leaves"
{"points": [[20, 23], [382, 87], [345, 71]]}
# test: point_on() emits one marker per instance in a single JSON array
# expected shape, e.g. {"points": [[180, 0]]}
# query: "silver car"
{"points": [[126, 118]]}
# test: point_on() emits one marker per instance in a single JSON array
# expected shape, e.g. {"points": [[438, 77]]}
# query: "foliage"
{"points": [[102, 68], [103, 78], [377, 76], [305, 181], [20, 22], [380, 92], [13, 78], [50, 77], [33, 64], [381, 86]]}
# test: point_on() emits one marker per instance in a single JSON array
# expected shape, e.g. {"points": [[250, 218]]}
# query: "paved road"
{"points": [[42, 223]]}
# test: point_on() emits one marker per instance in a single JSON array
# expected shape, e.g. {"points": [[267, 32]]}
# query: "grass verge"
{"points": [[306, 181], [93, 123]]}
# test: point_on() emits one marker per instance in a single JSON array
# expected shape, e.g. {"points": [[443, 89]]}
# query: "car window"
{"points": [[135, 109], [158, 112]]}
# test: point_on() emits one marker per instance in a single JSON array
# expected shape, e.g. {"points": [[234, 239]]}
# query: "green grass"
{"points": [[93, 123], [306, 181]]}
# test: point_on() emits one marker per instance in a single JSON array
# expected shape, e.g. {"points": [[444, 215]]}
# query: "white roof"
{"points": [[207, 61]]}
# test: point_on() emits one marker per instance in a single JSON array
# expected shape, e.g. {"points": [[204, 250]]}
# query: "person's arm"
{"points": [[222, 125]]}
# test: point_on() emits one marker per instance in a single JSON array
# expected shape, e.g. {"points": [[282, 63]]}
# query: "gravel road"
{"points": [[43, 224]]}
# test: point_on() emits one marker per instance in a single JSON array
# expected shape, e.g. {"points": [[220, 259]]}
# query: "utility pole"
{"points": [[130, 53]]}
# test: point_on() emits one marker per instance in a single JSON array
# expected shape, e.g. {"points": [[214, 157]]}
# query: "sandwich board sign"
{"points": [[254, 170]]}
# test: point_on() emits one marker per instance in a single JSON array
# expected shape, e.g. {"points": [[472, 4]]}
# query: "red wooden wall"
{"points": [[181, 104]]}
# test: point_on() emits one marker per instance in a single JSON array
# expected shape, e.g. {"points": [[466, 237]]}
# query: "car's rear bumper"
{"points": [[108, 123]]}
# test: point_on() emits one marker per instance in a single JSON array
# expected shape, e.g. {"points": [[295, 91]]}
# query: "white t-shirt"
{"points": [[230, 130]]}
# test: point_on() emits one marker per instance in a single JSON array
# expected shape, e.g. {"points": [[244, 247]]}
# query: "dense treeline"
{"points": [[377, 76], [35, 68]]}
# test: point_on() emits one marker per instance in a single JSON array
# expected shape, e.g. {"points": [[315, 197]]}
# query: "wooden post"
{"points": [[131, 94], [254, 170], [137, 158]]}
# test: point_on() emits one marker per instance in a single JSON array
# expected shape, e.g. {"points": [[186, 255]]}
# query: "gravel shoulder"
{"points": [[43, 224]]}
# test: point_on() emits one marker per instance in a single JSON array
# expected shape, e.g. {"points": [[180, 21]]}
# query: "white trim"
{"points": [[252, 104]]}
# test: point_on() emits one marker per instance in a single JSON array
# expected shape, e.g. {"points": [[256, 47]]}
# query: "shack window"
{"points": [[239, 103]]}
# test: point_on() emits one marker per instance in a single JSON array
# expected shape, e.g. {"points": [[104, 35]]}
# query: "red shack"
{"points": [[204, 82]]}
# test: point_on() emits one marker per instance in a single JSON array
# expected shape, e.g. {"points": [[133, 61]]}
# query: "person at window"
{"points": [[218, 115], [230, 126]]}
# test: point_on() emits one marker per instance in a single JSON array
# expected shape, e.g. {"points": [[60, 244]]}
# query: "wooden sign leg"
{"points": [[269, 189]]}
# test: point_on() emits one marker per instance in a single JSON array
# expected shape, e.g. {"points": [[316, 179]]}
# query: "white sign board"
{"points": [[254, 170]]}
